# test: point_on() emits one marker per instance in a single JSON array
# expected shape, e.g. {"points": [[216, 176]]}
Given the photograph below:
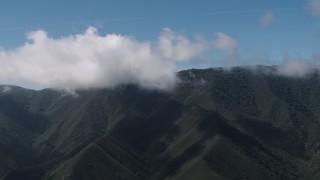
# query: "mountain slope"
{"points": [[237, 124]]}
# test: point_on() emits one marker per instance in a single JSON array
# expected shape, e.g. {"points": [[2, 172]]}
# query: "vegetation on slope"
{"points": [[236, 124]]}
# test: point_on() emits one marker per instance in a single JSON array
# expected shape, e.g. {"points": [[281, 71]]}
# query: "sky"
{"points": [[79, 44]]}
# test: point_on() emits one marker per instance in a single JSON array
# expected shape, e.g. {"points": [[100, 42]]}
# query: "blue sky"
{"points": [[290, 28], [294, 31]]}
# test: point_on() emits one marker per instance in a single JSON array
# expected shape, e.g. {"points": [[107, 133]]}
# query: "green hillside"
{"points": [[216, 124]]}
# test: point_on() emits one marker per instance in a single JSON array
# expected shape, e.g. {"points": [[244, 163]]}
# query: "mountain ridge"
{"points": [[217, 124]]}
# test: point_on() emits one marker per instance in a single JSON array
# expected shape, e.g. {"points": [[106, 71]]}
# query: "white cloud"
{"points": [[267, 19], [295, 67], [314, 7], [90, 60], [225, 42], [178, 47], [228, 46]]}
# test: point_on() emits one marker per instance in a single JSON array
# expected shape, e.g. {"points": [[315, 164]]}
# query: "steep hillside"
{"points": [[237, 124]]}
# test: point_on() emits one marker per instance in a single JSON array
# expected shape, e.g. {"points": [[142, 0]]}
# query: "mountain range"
{"points": [[216, 124]]}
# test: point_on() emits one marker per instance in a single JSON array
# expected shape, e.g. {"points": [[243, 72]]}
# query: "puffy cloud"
{"points": [[90, 60], [179, 48], [314, 7], [225, 42], [228, 46], [267, 19]]}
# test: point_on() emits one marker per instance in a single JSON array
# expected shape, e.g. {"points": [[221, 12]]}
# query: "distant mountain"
{"points": [[217, 124]]}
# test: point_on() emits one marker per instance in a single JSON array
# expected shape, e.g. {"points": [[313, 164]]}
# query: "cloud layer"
{"points": [[90, 60]]}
